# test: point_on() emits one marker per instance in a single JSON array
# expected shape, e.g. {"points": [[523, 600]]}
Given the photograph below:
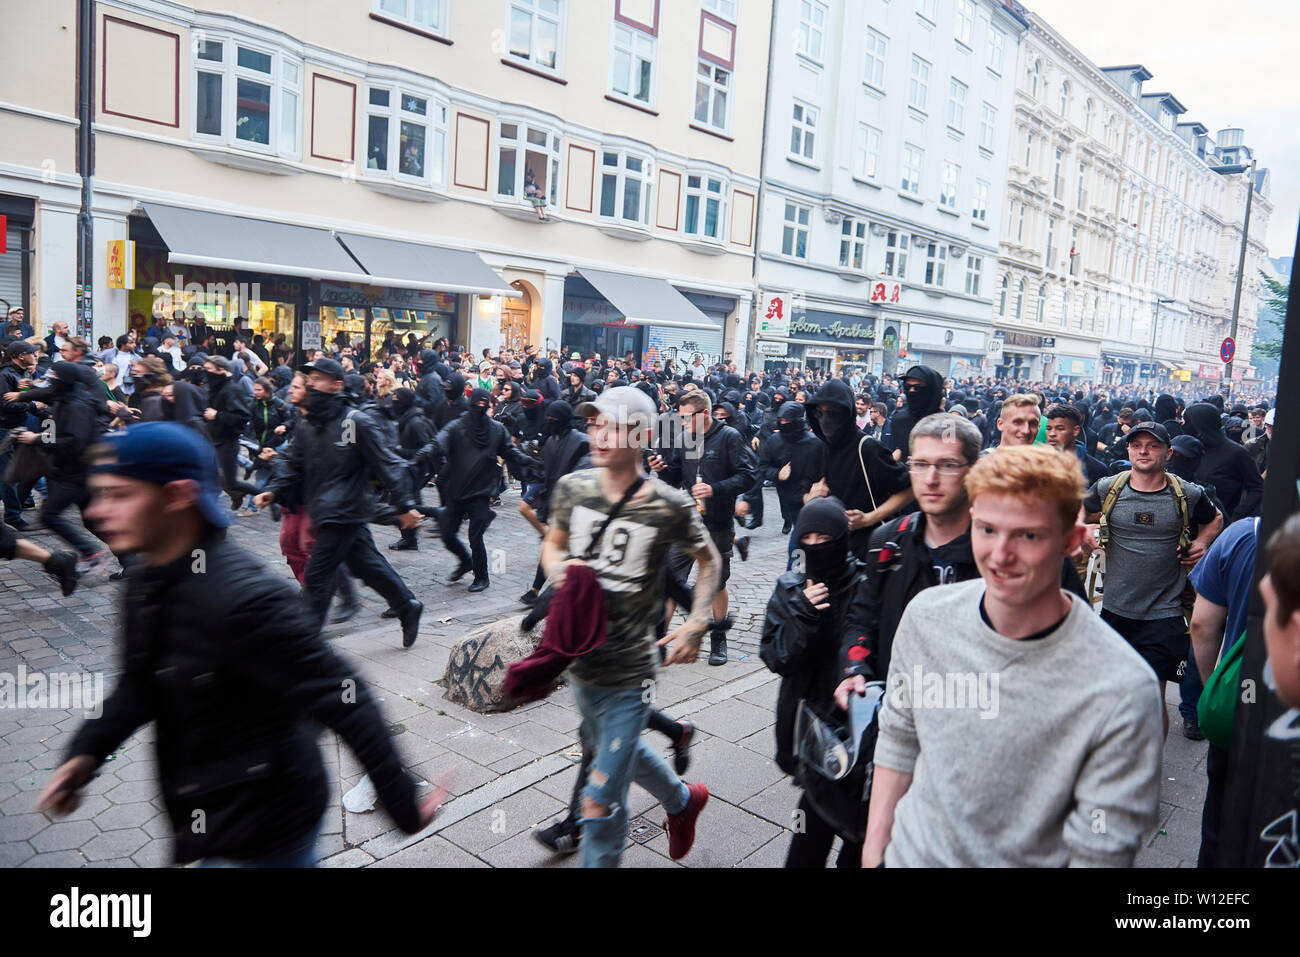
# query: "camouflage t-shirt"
{"points": [[631, 566]]}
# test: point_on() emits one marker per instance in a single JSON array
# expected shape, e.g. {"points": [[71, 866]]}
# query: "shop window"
{"points": [[247, 96], [536, 176], [703, 206], [406, 135]]}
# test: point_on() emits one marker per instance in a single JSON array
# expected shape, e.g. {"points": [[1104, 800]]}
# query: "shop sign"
{"points": [[354, 294], [836, 329], [886, 291], [593, 312], [1027, 340], [819, 352], [774, 314], [120, 264], [771, 348], [1210, 371], [310, 335]]}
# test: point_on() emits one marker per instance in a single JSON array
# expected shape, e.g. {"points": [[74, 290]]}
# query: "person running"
{"points": [[1069, 773], [331, 462], [237, 681], [414, 435], [788, 458], [471, 447], [61, 566], [630, 563], [1146, 531]]}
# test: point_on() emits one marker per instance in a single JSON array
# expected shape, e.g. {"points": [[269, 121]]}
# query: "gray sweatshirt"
{"points": [[1040, 753]]}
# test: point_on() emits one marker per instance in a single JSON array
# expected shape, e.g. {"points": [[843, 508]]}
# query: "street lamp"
{"points": [[1155, 325], [1241, 260]]}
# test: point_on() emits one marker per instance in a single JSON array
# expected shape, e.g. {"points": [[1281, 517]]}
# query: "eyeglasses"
{"points": [[945, 468]]}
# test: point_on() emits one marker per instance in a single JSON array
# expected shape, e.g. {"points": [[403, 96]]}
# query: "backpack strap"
{"points": [[1184, 513], [863, 463], [1108, 505]]}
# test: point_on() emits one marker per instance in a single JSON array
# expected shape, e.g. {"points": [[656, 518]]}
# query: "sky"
{"points": [[1230, 63]]}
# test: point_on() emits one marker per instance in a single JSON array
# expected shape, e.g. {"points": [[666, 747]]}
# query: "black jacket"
{"points": [[224, 659], [13, 415], [927, 401], [470, 471], [898, 569], [1225, 465], [265, 417], [73, 409], [453, 401], [561, 454], [803, 454], [226, 394], [721, 460], [414, 435], [801, 644], [333, 457]]}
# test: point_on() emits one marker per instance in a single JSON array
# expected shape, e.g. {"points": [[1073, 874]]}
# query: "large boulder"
{"points": [[476, 668]]}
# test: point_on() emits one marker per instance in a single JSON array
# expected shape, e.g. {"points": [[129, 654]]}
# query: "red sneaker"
{"points": [[681, 827]]}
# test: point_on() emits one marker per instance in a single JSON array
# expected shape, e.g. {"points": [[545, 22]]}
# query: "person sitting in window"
{"points": [[534, 193]]}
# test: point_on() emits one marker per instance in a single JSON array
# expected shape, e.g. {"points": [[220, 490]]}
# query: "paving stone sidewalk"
{"points": [[513, 772]]}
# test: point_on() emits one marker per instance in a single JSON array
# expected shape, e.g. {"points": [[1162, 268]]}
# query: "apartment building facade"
{"points": [[578, 175], [886, 154]]}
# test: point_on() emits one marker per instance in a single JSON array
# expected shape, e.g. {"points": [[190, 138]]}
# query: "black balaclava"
{"points": [[829, 561], [559, 418], [478, 417], [402, 400], [316, 401], [797, 424]]}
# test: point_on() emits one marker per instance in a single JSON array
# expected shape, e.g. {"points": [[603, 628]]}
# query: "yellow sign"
{"points": [[121, 264], [1184, 375]]}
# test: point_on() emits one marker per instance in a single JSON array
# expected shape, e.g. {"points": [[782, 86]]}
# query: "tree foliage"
{"points": [[1278, 292]]}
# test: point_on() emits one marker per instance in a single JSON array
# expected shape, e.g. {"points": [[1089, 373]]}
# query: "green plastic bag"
{"points": [[1218, 704]]}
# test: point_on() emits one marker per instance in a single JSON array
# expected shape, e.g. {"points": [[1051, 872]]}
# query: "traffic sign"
{"points": [[1228, 349]]}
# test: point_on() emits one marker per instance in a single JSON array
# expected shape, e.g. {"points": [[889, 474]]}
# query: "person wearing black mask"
{"points": [[788, 459], [856, 469], [227, 414], [414, 435], [471, 447], [1225, 464], [565, 449], [801, 642], [334, 458], [923, 392]]}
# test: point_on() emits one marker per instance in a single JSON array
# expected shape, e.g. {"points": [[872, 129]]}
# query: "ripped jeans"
{"points": [[613, 719]]}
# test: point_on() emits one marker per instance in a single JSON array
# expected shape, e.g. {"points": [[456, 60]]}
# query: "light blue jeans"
{"points": [[613, 719]]}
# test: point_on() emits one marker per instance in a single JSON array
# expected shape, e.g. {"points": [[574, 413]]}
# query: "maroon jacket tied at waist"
{"points": [[575, 625]]}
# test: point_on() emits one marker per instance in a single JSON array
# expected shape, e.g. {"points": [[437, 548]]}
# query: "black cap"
{"points": [[19, 348], [326, 366], [1155, 428]]}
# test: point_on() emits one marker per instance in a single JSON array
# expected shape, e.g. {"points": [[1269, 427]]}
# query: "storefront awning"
{"points": [[392, 262], [201, 238], [647, 302]]}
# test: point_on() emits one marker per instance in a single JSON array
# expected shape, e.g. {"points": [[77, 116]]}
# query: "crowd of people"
{"points": [[1096, 540]]}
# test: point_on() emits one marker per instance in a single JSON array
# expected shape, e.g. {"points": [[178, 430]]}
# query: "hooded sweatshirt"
{"points": [[1225, 464], [924, 401]]}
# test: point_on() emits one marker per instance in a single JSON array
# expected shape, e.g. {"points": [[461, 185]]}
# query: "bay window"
{"points": [[528, 163], [625, 187], [247, 95], [406, 135], [703, 206]]}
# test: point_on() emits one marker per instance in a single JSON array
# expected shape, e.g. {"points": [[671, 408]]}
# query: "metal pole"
{"points": [[1241, 270], [1155, 325], [86, 167]]}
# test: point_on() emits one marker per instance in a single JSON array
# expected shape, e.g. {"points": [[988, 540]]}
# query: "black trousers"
{"points": [[228, 462], [809, 846], [1216, 768], [353, 546], [480, 516], [60, 495]]}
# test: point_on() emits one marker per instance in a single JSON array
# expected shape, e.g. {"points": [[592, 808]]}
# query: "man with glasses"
{"points": [[917, 551]]}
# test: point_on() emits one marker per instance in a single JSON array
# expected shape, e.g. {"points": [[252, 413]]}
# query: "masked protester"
{"points": [[789, 459], [414, 437], [923, 395], [801, 642], [565, 449], [471, 447], [227, 415], [1225, 464]]}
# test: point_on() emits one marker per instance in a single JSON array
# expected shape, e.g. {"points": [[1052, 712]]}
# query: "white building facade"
{"points": [[884, 161]]}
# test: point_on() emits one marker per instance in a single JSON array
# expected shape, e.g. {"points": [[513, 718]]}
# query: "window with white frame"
{"points": [[896, 248], [794, 236], [723, 8], [247, 95], [980, 205], [975, 266], [1065, 98], [997, 41], [913, 158], [703, 214], [625, 187], [948, 188], [537, 32], [1087, 115], [877, 47], [1049, 260], [1020, 298], [1035, 78], [528, 162], [423, 14], [712, 89], [918, 86], [1065, 308], [632, 64], [803, 131], [936, 261], [1029, 149], [1042, 304], [926, 8], [853, 243], [956, 104], [866, 151], [406, 135], [1082, 198], [812, 21], [1002, 298], [988, 125], [965, 21]]}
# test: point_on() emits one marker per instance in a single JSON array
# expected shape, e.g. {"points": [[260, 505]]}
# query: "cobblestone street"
{"points": [[513, 771]]}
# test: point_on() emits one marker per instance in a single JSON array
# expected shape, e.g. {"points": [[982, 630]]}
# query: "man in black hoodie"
{"points": [[414, 434], [855, 469], [788, 459], [227, 414], [923, 390], [1225, 464]]}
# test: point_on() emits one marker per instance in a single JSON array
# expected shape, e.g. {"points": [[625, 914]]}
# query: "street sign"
{"points": [[1228, 349]]}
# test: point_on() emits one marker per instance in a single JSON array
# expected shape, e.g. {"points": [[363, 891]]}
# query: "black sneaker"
{"points": [[562, 837], [346, 611], [1192, 730], [479, 584], [17, 524], [681, 749], [118, 576], [62, 567], [785, 529], [718, 648], [410, 618], [742, 546], [389, 613], [405, 545], [460, 572], [528, 598]]}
